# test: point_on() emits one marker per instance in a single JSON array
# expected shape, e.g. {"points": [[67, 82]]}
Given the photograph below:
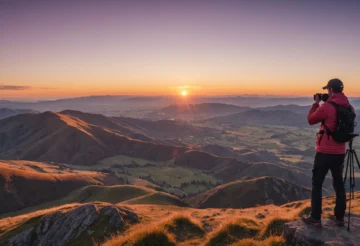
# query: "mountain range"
{"points": [[260, 117], [195, 111], [62, 138], [8, 112]]}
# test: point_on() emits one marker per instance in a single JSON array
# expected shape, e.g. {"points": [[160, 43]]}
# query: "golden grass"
{"points": [[235, 227], [9, 223], [44, 171], [171, 230], [183, 227], [271, 241], [275, 227], [234, 231], [171, 225], [154, 236]]}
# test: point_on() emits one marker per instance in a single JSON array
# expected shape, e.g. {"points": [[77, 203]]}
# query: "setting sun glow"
{"points": [[184, 93]]}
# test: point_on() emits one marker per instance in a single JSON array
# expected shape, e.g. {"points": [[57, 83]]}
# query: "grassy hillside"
{"points": [[141, 129], [256, 226], [24, 184], [124, 194], [171, 225], [129, 194], [248, 193], [109, 123], [65, 139], [159, 198], [279, 171]]}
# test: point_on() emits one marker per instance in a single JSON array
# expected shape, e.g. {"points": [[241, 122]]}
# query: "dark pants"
{"points": [[322, 164]]}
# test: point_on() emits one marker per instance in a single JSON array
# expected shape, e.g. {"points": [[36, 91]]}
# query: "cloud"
{"points": [[13, 88]]}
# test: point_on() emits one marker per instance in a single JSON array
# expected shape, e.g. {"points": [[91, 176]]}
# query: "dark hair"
{"points": [[337, 89]]}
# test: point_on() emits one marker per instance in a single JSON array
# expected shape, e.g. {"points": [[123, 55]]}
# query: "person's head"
{"points": [[334, 86]]}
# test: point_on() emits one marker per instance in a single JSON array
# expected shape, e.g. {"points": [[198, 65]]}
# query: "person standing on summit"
{"points": [[330, 154]]}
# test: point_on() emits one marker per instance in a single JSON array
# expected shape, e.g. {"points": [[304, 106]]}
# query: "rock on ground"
{"points": [[299, 234], [59, 228]]}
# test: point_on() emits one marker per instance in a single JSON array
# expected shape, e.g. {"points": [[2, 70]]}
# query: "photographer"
{"points": [[330, 154]]}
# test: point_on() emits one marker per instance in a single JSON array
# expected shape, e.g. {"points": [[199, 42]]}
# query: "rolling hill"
{"points": [[260, 117], [141, 129], [113, 194], [8, 112], [127, 194], [107, 122], [298, 176], [289, 107], [248, 193], [196, 111], [278, 171], [219, 150], [24, 184], [61, 138]]}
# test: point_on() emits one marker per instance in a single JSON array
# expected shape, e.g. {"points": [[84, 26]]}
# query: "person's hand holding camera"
{"points": [[317, 99]]}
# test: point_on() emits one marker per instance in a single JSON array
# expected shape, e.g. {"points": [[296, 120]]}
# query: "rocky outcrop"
{"points": [[298, 233], [85, 223]]}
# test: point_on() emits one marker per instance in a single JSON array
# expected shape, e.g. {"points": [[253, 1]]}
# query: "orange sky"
{"points": [[75, 48]]}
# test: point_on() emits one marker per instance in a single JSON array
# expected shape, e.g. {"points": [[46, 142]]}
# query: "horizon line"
{"points": [[44, 99]]}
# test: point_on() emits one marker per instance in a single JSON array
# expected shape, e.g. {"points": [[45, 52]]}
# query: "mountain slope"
{"points": [[278, 171], [219, 150], [141, 129], [107, 122], [22, 187], [65, 139], [130, 194], [115, 194], [248, 193]]}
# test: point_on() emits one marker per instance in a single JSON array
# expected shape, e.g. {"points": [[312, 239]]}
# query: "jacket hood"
{"points": [[340, 99]]}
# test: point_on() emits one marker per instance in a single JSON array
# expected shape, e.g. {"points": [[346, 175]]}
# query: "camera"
{"points": [[322, 97]]}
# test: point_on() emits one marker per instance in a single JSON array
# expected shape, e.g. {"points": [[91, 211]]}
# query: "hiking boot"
{"points": [[311, 221], [338, 222]]}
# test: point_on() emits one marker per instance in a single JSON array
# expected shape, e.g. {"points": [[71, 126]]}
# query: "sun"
{"points": [[184, 93]]}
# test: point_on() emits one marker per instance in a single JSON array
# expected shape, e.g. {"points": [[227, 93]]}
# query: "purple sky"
{"points": [[69, 48]]}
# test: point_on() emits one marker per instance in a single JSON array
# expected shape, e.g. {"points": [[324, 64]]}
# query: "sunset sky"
{"points": [[52, 49]]}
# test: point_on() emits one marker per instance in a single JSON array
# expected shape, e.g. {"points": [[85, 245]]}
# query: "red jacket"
{"points": [[327, 113]]}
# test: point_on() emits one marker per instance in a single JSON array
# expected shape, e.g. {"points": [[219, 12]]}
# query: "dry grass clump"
{"points": [[306, 210], [153, 237], [271, 241], [275, 227], [233, 232], [184, 227]]}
